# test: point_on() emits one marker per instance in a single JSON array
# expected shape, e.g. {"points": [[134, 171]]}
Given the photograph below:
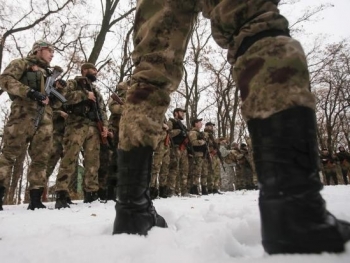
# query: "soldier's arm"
{"points": [[194, 139], [75, 95], [9, 79], [114, 107], [103, 108]]}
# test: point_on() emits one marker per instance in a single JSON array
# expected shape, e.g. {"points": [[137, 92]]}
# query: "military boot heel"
{"points": [[293, 214], [61, 200], [35, 199], [2, 194], [135, 213]]}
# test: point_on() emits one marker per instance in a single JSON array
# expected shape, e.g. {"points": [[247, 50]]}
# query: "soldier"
{"points": [[24, 81], [271, 72], [58, 123], [213, 165], [247, 170], [228, 177], [198, 141], [329, 168], [344, 159], [116, 109], [178, 166], [160, 165], [85, 108]]}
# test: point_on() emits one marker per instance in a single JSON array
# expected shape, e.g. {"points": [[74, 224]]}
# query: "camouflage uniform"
{"points": [[213, 168], [57, 148], [329, 167], [23, 113], [344, 159], [270, 69], [178, 166], [160, 166], [196, 177], [228, 177], [81, 132]]}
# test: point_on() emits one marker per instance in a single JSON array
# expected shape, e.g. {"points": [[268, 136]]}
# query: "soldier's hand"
{"points": [[64, 114], [37, 96], [110, 134], [91, 96], [60, 84], [104, 132]]}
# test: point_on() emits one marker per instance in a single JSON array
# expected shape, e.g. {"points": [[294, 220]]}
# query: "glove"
{"points": [[62, 82], [36, 95]]}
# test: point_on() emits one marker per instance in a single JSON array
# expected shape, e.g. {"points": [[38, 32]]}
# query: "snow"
{"points": [[208, 229]]}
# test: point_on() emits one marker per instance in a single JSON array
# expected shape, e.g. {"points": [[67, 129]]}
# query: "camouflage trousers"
{"points": [[80, 136], [271, 74], [18, 132], [178, 171], [56, 151], [214, 174], [244, 177], [198, 171], [160, 165], [228, 178]]}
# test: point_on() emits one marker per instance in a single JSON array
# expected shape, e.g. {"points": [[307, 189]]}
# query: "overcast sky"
{"points": [[334, 22]]}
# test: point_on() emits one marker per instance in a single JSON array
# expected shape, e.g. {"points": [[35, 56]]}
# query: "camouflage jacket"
{"points": [[77, 97]]}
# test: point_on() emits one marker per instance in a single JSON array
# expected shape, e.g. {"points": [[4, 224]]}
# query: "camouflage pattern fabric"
{"points": [[160, 165], [80, 133], [178, 170], [272, 74], [23, 113]]}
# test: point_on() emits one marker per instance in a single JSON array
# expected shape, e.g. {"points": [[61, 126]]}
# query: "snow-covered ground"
{"points": [[209, 229]]}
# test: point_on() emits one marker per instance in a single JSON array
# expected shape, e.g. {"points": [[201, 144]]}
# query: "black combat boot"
{"points": [[135, 213], [204, 190], [293, 214], [35, 199], [90, 197], [62, 200], [216, 191], [163, 191], [153, 192], [2, 194]]}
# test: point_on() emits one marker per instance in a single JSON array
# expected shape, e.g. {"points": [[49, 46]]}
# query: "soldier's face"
{"points": [[45, 54], [180, 115]]}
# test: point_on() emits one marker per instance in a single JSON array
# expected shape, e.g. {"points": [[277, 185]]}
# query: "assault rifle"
{"points": [[187, 140], [96, 110], [49, 92], [114, 95]]}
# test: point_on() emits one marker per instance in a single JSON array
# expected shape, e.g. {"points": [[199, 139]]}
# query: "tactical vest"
{"points": [[178, 139], [32, 79]]}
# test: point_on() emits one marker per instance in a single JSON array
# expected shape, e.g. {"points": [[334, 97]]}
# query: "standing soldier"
{"points": [[213, 168], [270, 70], [198, 141], [178, 166], [344, 159], [86, 112], [59, 117], [160, 165], [247, 170], [116, 110], [24, 81], [329, 168]]}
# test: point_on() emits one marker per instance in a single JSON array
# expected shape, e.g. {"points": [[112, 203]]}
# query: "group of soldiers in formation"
{"points": [[185, 162]]}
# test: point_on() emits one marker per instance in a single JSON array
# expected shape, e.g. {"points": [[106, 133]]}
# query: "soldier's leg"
{"points": [[164, 173], [345, 175], [173, 171], [206, 176], [73, 139], [271, 72], [91, 148], [156, 165], [184, 170], [196, 170], [39, 153], [55, 153], [14, 143], [161, 33]]}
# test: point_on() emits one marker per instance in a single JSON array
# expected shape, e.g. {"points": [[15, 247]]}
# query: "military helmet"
{"points": [[41, 44]]}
